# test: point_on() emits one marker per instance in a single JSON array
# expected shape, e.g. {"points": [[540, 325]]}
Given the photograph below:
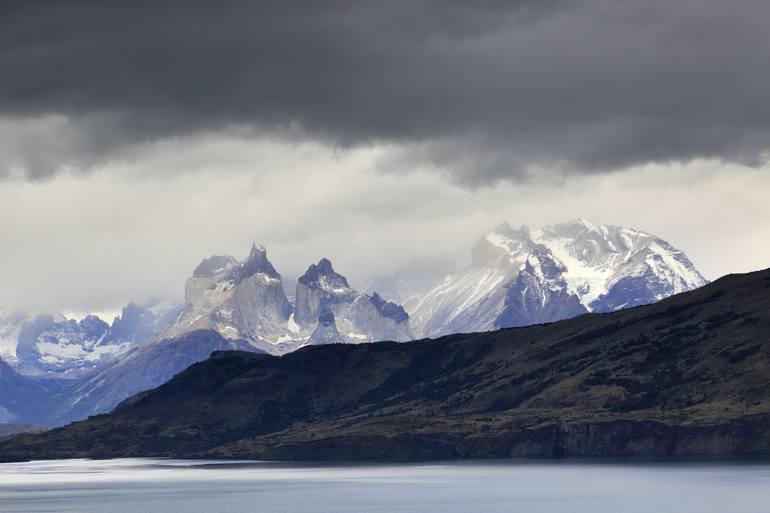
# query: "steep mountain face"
{"points": [[326, 330], [241, 300], [246, 301], [687, 375], [320, 287], [538, 294], [358, 317], [522, 277]]}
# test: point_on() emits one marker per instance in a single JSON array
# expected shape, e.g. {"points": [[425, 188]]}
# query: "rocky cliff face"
{"points": [[612, 267], [240, 300], [358, 317], [320, 287], [538, 294], [326, 330], [246, 301]]}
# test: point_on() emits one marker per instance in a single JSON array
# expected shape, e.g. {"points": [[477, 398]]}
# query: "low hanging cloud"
{"points": [[483, 90]]}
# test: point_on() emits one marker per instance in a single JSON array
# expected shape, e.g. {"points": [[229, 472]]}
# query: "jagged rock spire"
{"points": [[257, 262], [324, 269]]}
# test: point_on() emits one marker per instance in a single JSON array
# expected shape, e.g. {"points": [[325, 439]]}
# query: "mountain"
{"points": [[357, 317], [518, 277], [611, 267], [326, 331], [137, 324], [20, 395], [687, 375], [229, 305], [240, 300], [522, 277], [246, 301], [53, 346], [58, 363], [141, 369]]}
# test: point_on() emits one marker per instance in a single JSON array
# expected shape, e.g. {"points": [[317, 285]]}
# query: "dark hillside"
{"points": [[688, 375]]}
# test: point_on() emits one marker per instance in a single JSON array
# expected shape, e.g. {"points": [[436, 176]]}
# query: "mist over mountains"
{"points": [[71, 369], [685, 376]]}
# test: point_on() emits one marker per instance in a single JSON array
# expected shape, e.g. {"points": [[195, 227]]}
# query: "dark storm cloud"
{"points": [[483, 89]]}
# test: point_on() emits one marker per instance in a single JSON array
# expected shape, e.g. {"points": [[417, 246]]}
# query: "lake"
{"points": [[176, 486]]}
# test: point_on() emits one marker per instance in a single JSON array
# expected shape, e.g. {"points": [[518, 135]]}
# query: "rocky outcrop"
{"points": [[326, 330], [538, 294], [358, 317], [320, 288], [240, 300]]}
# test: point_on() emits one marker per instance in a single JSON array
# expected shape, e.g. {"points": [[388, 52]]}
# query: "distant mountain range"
{"points": [[517, 278], [687, 375], [53, 346]]}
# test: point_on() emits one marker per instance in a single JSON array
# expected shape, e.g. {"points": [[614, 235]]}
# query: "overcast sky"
{"points": [[137, 138]]}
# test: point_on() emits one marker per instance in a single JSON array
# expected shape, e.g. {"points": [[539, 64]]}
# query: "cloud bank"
{"points": [[134, 230], [479, 91]]}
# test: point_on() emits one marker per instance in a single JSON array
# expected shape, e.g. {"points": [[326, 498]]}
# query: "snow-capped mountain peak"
{"points": [[518, 276], [598, 257], [582, 265], [54, 346]]}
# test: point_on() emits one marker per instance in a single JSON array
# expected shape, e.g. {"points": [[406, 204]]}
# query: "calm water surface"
{"points": [[173, 486]]}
